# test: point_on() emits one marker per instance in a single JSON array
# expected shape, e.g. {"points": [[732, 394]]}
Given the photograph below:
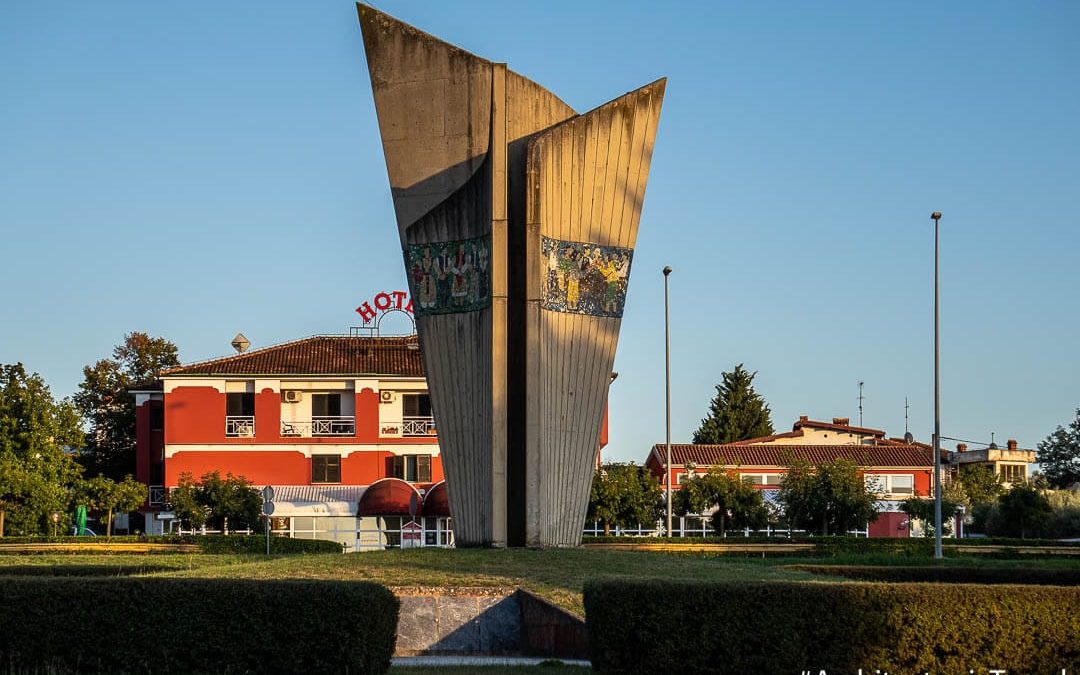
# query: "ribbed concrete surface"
{"points": [[586, 184]]}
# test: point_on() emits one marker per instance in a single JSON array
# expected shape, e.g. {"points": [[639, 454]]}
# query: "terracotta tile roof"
{"points": [[733, 454], [814, 424], [319, 355]]}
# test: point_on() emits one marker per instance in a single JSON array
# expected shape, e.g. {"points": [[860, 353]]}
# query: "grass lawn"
{"points": [[557, 574]]}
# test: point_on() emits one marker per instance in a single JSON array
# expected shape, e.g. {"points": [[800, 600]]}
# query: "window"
{"points": [[157, 418], [413, 468], [416, 405], [896, 484], [326, 468], [902, 485], [763, 478], [326, 405], [240, 405], [239, 414], [1012, 473]]}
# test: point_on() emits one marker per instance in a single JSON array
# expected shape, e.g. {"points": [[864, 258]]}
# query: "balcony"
{"points": [[239, 425], [335, 425], [418, 426]]}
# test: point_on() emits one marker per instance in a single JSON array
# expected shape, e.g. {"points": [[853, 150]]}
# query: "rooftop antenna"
{"points": [[908, 438], [860, 401], [240, 343]]}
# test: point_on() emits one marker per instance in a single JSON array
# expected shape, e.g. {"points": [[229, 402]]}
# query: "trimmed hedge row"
{"points": [[862, 543], [208, 543], [952, 575], [763, 628], [195, 626], [84, 570]]}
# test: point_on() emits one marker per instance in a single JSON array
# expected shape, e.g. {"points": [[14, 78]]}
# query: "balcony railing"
{"points": [[157, 495], [320, 426], [240, 425], [418, 426]]}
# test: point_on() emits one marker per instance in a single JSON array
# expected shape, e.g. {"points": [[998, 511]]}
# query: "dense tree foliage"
{"points": [[108, 497], [37, 436], [1059, 455], [624, 495], [980, 484], [108, 407], [922, 509], [737, 412], [733, 501], [829, 498], [1023, 511], [218, 503]]}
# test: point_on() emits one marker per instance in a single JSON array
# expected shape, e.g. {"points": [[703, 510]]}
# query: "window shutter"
{"points": [[399, 467], [333, 405], [423, 468], [411, 405]]}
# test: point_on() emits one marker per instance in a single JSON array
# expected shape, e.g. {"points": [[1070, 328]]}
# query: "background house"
{"points": [[896, 469]]}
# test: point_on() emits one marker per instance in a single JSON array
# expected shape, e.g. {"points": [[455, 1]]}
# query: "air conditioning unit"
{"points": [[293, 396], [386, 396]]}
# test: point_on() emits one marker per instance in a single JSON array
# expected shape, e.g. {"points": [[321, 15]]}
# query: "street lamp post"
{"points": [[936, 217], [667, 392]]}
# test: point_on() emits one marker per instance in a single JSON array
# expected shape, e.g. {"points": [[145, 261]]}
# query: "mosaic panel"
{"points": [[585, 278], [448, 277]]}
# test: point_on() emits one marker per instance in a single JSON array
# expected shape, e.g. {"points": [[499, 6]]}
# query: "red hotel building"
{"points": [[896, 469], [340, 426]]}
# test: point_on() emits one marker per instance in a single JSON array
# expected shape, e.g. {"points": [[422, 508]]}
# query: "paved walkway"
{"points": [[417, 661]]}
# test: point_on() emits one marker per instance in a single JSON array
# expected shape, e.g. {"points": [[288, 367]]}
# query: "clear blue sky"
{"points": [[197, 169]]}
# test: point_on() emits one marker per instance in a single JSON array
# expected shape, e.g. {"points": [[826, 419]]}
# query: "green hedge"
{"points": [[212, 543], [787, 628], [195, 626], [85, 570], [952, 575], [831, 545], [208, 543]]}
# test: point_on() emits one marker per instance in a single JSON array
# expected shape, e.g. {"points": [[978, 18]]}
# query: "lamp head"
{"points": [[936, 215], [667, 271]]}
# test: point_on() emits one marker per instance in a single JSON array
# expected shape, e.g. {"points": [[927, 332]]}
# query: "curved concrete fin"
{"points": [[587, 177], [434, 104], [433, 101]]}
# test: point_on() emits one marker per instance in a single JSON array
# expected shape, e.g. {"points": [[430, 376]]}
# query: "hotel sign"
{"points": [[383, 302]]}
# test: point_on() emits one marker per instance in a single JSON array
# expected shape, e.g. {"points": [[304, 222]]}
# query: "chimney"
{"points": [[842, 421], [803, 418], [1012, 444], [961, 447]]}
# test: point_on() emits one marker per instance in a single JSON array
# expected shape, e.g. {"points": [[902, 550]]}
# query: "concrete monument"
{"points": [[517, 218]]}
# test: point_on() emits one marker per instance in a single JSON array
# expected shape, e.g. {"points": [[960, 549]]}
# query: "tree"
{"points": [[623, 495], [1023, 511], [923, 510], [829, 497], [37, 433], [733, 500], [217, 502], [737, 412], [109, 409], [105, 494], [981, 485], [1059, 455]]}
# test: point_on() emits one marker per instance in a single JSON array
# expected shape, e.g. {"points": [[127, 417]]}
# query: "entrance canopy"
{"points": [[390, 497]]}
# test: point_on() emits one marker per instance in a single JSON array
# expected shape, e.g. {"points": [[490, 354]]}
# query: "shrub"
{"points": [[789, 627], [195, 626], [257, 544], [208, 543], [954, 575]]}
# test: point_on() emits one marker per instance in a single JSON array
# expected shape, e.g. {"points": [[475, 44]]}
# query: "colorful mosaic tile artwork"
{"points": [[450, 276], [585, 278]]}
